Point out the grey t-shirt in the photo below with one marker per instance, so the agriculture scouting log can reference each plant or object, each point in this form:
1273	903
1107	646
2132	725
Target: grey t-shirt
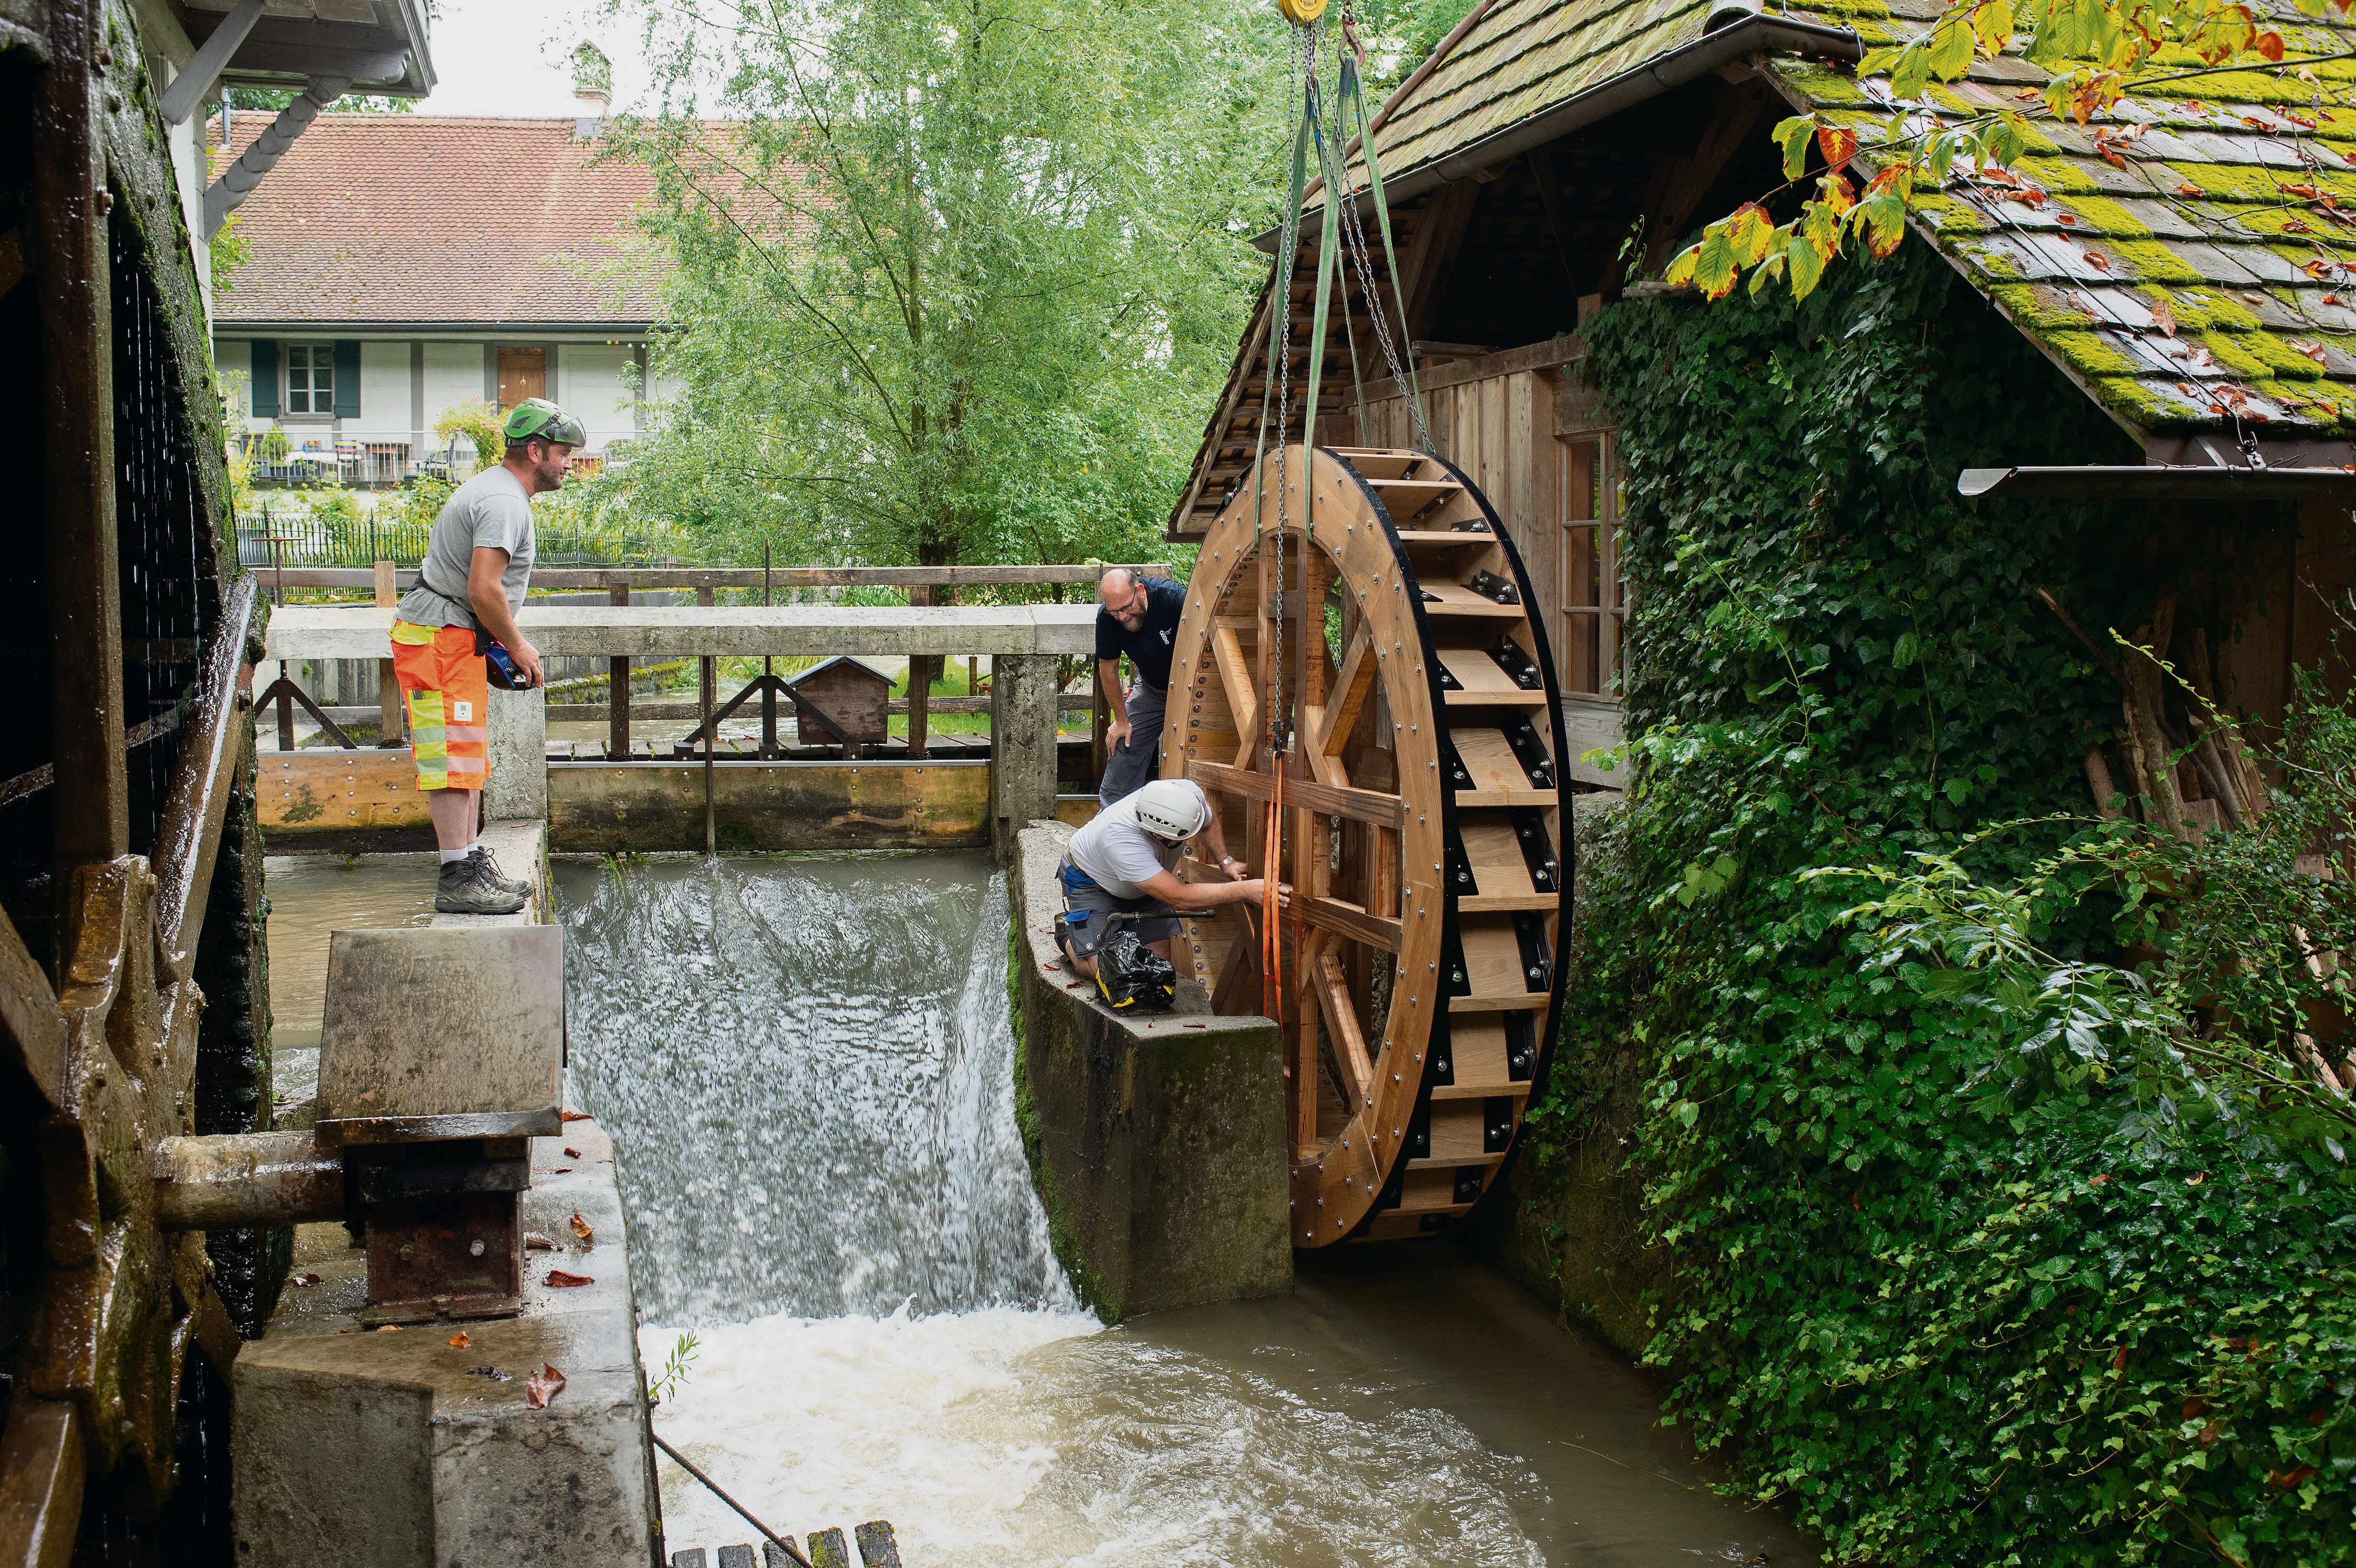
488	511
1119	855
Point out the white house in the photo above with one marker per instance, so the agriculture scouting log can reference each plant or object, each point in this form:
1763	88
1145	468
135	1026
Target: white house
402	264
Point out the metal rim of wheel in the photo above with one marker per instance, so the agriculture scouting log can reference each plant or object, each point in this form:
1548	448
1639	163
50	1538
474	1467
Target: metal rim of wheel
1424	832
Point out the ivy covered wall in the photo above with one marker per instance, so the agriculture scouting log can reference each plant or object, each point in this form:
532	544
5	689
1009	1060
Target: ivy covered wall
1948	1292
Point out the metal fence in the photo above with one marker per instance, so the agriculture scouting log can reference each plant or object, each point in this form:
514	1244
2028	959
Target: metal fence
294	455
289	536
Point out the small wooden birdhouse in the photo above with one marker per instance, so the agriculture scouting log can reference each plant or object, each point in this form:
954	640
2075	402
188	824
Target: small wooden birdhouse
846	700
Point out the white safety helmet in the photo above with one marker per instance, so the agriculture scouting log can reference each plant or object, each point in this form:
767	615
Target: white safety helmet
1169	808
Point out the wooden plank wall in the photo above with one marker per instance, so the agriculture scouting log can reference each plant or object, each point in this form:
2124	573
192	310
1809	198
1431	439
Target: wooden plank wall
1500	431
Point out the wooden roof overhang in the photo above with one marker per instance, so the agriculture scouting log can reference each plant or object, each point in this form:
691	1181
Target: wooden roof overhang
1486	211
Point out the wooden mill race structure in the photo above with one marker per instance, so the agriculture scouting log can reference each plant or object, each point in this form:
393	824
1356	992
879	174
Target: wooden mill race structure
1420	824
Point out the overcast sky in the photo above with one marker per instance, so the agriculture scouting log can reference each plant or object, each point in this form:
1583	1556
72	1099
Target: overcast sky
514	56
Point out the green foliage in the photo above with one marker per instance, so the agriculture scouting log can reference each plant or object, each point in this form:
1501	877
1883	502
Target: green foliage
1974	1262
959	280
479	423
677	1368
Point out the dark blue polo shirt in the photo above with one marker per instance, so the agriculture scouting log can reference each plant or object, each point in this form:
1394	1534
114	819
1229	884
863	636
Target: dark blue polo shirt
1148	647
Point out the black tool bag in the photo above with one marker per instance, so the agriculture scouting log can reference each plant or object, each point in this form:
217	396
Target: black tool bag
1132	976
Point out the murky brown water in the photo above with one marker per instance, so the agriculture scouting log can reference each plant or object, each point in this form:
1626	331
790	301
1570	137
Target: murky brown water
311	895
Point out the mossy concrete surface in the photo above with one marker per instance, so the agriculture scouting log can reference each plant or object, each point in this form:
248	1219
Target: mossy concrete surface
1156	1142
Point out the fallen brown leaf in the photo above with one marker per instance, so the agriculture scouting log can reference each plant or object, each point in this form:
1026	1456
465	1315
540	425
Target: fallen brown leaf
560	1170
541	1388
2186	187
578	1116
459	1340
580	1229
304	1279
2162	317
2066	217
573	1154
2096	259
388	1328
562	1280
533	1241
2333	299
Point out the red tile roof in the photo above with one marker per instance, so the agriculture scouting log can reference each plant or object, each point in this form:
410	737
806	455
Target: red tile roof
401	219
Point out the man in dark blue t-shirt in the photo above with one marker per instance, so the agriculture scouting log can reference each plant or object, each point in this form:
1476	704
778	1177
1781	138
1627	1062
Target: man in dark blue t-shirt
1137	616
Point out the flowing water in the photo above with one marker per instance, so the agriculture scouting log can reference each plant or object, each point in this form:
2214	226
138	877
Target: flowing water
806	1064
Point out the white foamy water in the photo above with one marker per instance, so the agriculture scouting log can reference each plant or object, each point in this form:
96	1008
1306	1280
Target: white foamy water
806	1066
1009	1437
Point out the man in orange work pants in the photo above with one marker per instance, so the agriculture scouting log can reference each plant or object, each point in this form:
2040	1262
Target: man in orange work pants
476	568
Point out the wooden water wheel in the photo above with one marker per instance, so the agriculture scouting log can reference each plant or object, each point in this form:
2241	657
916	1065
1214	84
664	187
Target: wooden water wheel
1422	826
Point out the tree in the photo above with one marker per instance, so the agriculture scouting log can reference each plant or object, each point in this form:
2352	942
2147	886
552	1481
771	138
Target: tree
954	278
1871	168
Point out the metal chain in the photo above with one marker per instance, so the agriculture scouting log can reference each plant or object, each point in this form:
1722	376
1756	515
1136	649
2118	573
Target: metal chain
1306	39
1354	234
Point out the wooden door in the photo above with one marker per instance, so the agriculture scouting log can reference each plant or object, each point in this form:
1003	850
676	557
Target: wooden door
523	373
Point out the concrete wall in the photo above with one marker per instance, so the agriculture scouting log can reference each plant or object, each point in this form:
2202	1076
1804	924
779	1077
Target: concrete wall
640	807
1156	1143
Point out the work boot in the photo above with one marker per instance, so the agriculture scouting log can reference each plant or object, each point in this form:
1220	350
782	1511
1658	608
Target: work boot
492	871
466	887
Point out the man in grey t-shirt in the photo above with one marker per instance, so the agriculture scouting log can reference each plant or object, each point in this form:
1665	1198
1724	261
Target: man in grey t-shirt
478	566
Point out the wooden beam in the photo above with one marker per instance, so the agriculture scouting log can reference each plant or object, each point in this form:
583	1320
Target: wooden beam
92	817
1345	918
617	688
1544	356
1431	255
1342	1020
1238	984
1731	119
29	1011
1358	804
42	1467
1243	694
1351	685
1545	175
212	743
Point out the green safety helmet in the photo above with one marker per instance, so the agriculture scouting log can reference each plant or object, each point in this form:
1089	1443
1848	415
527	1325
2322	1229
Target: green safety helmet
537	419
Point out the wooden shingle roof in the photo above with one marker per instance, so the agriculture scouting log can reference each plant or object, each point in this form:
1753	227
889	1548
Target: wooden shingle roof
2215	222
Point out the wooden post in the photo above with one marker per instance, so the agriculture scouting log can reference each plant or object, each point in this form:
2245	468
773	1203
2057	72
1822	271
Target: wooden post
1100	719
920	684
92	810
391	728
768	674
617	688
1022	746
709	694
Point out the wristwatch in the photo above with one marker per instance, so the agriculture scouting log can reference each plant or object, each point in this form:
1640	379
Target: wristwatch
1226	860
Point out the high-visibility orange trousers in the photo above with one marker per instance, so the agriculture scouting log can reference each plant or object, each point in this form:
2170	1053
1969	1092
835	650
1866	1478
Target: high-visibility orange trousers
449	698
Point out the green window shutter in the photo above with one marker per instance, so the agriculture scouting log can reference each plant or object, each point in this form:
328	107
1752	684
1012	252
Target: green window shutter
266	379
348	380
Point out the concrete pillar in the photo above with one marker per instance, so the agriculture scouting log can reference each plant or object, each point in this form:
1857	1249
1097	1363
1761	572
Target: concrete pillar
1021	747
519	787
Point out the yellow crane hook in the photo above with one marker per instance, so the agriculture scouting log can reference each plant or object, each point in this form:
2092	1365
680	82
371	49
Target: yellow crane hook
1301	13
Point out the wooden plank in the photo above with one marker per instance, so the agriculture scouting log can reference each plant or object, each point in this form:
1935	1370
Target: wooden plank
1358	804
1242	692
188	840
28	1010
1351	685
42	1462
1491	799
71	268
1346	919
1454	600
1501	903
1342	1021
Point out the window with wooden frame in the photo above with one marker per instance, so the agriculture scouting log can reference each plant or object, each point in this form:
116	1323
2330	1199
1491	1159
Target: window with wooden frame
310	379
1595	596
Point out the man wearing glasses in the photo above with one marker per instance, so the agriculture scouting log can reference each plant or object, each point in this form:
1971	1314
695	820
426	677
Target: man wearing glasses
1137	616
